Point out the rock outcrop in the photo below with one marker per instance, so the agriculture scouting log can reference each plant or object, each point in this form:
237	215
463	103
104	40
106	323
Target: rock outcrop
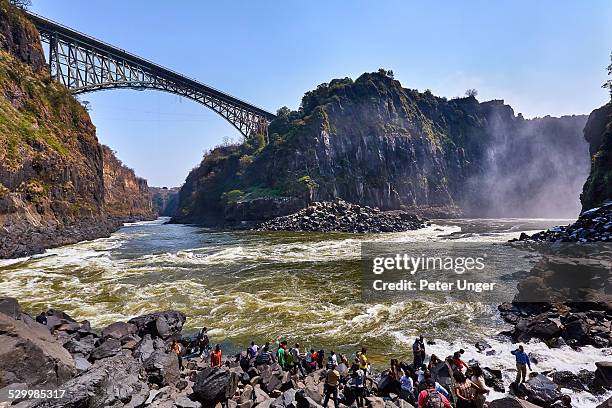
340	216
598	132
372	142
52	168
165	200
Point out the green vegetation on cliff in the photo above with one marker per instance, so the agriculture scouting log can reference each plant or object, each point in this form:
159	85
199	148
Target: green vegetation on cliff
598	132
372	142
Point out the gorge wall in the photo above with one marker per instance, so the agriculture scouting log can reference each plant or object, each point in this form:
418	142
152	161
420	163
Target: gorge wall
372	142
598	132
165	200
52	168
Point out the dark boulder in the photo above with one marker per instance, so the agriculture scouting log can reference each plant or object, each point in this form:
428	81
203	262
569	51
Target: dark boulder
145	348
540	390
159	324
10	307
83	346
30	354
107	349
512	402
603	374
215	385
118	330
162	368
567	379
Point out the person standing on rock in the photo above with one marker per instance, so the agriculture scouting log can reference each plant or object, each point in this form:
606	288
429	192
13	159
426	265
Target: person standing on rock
422	341
363	360
407	387
417	353
522	362
178	349
203	341
252	350
280	355
331	386
215	357
478	379
297	358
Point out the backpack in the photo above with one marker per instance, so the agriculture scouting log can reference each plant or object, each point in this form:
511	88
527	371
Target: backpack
434	400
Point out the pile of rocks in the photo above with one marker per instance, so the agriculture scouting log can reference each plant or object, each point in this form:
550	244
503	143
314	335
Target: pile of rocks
340	216
573	324
594	225
129	364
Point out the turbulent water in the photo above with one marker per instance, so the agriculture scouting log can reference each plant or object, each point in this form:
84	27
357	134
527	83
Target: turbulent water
262	286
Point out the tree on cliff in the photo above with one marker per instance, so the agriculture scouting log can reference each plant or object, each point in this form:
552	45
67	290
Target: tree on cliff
471	93
22	4
608	83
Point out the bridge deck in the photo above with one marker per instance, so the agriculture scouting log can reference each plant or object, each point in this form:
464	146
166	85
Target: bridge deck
44	24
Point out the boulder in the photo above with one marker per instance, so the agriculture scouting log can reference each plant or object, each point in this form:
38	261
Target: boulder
113	381
286	400
567	379
215	385
303	401
30	354
145	348
603	373
159	324
606	404
118	330
184	402
82	347
107	349
162	368
375	402
540	390
10	307
512	402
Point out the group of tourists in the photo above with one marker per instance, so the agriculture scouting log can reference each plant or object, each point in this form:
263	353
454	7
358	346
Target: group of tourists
436	384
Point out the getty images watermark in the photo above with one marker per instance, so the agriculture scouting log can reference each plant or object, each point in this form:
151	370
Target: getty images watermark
485	272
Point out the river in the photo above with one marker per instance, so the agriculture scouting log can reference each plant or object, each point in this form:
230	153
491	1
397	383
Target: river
263	286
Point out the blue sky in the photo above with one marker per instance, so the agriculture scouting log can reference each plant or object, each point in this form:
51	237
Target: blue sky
542	57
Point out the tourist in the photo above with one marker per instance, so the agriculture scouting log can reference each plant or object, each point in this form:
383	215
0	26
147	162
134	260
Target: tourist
280	354
437	386
433	362
429	397
343	367
331	386
310	360
522	362
332	359
252	350
264	356
320	358
357	384
363	360
177	348
478	379
465	391
297	357
458	363
420	373
215	357
407	387
417	353
422	341
203	341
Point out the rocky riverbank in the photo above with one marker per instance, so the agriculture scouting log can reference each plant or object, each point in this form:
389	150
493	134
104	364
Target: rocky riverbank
130	364
340	216
594	225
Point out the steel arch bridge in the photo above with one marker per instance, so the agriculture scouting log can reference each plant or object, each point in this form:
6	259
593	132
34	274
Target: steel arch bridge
85	64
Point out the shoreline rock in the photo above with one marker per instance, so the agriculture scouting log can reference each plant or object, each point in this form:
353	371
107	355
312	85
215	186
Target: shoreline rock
340	216
130	364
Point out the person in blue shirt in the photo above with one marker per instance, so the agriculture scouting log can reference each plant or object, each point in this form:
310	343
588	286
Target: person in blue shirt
522	362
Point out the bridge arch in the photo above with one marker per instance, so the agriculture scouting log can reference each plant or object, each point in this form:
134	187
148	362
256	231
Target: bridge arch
84	64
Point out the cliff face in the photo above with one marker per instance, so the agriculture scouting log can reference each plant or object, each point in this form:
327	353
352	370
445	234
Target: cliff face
598	132
125	195
372	142
51	165
165	200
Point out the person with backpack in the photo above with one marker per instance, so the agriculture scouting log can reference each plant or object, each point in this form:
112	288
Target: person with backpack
332	380
252	350
430	398
264	356
356	383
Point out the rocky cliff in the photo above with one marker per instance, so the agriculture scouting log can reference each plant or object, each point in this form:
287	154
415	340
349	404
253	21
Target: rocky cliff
598	132
52	167
125	195
165	200
373	142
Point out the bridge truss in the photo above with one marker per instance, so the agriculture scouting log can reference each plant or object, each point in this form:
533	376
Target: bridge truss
85	64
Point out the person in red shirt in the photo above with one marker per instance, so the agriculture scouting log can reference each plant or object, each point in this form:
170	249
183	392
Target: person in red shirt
459	363
430	392
215	357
